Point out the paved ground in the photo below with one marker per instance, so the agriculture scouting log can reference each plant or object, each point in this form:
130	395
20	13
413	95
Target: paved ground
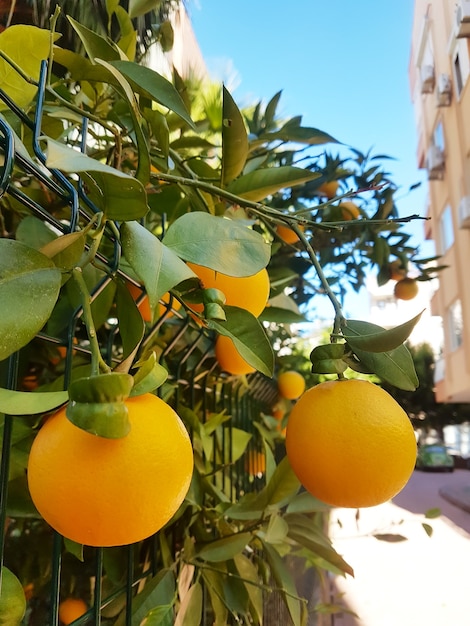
420	581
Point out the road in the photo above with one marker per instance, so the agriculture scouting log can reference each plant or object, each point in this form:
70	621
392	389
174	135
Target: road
417	581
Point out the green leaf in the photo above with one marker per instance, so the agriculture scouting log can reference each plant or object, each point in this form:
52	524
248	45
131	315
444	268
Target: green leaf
149	83
190	611
250	506
234	139
60	156
19	503
66	250
214	582
95	45
261	183
395	367
120	199
249	572
328	359
292	131
131	325
34	48
306	503
249	337
149	376
156	264
74	548
284	484
26	276
30	403
159	591
433	513
225	548
390	537
428	529
219	243
141	7
378	339
284	582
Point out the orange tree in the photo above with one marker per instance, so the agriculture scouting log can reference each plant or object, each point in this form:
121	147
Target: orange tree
114	175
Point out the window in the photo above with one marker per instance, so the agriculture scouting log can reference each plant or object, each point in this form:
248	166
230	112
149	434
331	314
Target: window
446	230
461	65
455	325
438	137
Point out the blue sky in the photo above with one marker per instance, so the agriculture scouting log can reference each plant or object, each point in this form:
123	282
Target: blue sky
342	65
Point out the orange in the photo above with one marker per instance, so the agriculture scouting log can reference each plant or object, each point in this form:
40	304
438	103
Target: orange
71	609
397	271
144	305
329	189
247	292
350	443
291	384
286	234
349	210
111	492
229	359
406	289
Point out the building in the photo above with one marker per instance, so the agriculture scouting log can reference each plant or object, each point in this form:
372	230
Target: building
439	81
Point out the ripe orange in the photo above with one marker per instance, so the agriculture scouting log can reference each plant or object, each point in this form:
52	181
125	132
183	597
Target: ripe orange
111	492
350	443
71	609
229	359
248	292
286	234
291	384
406	289
349	210
397	271
329	189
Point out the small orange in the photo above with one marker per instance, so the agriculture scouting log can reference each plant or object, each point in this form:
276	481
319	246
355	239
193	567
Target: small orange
286	234
291	384
229	359
350	443
247	292
406	289
71	609
349	210
111	492
329	189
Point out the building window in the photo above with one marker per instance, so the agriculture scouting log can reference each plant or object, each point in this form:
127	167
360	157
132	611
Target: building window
455	325
446	230
461	65
438	137
458	75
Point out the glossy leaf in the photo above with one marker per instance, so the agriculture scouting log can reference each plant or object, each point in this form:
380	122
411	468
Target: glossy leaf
225	548
66	159
395	367
141	7
300	134
234	139
304	502
34	48
151	84
26	276
120	199
131	326
259	184
219	243
328	359
373	338
249	338
155	263
159	591
30	403
19	503
113	387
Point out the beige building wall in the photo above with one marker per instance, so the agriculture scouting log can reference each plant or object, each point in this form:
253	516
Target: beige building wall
439	81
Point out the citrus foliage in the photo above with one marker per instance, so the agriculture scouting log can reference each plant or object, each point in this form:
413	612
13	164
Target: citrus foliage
127	177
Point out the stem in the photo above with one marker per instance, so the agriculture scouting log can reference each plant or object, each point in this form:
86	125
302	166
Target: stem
97	362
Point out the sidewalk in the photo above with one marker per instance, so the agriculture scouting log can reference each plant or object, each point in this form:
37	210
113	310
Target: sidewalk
458	496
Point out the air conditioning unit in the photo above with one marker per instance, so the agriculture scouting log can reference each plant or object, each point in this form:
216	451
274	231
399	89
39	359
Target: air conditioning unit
464	212
427	79
435	163
462	18
444	90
